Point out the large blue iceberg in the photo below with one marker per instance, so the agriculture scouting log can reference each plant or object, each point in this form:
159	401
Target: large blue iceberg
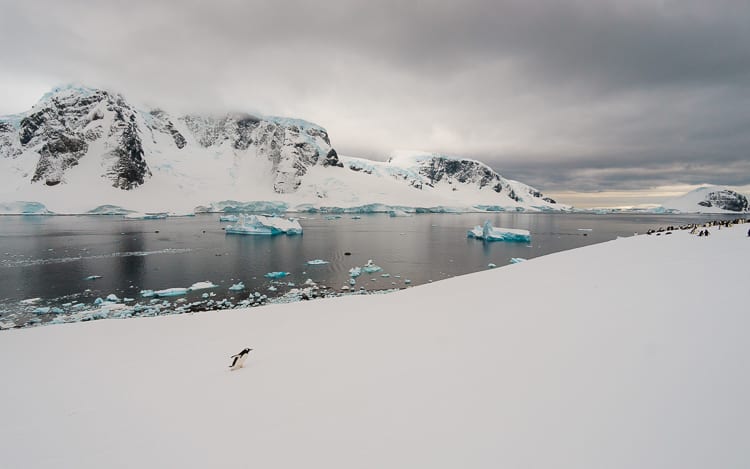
266	226
488	232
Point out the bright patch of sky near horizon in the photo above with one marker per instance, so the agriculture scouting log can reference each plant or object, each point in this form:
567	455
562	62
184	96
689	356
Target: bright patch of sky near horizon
586	99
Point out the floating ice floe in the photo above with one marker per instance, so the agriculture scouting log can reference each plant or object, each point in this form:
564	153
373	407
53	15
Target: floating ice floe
266	226
171	292
93	277
398	213
317	262
202	285
488	232
30	301
229	218
371	268
237	286
333	217
23	208
113	298
145	216
517	260
355	272
276	274
491	265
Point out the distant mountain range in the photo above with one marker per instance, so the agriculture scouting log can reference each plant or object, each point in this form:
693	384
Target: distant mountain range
80	148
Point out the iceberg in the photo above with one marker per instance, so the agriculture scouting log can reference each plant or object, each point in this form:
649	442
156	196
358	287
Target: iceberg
145	216
147	293
398	213
23	208
276	274
265	226
355	272
108	210
229	218
202	285
171	292
371	268
488	232
517	260
317	262
237	286
93	277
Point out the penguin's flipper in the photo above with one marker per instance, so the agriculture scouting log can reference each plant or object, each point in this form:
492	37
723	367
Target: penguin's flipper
234	362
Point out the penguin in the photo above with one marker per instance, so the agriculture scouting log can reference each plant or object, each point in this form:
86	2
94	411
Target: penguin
239	359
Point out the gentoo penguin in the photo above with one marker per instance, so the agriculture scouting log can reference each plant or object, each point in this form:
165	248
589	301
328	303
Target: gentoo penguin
239	359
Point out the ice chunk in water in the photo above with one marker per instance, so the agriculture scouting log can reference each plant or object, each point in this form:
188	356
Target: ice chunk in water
317	262
276	274
202	285
171	292
265	226
517	260
371	268
237	286
488	232
355	272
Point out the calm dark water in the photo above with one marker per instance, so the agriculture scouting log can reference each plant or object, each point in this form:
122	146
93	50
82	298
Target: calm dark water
50	257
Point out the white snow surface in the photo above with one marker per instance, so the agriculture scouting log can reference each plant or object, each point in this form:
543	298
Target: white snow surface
689	202
632	357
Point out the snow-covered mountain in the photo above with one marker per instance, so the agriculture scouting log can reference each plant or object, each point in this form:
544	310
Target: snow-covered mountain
79	148
709	199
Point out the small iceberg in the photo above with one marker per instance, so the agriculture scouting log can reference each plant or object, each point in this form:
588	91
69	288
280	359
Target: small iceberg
202	285
355	272
276	274
488	232
317	262
237	286
398	213
371	268
229	218
264	226
93	277
517	260
145	216
171	292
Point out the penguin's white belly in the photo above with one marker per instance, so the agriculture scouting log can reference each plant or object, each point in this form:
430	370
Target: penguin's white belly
239	363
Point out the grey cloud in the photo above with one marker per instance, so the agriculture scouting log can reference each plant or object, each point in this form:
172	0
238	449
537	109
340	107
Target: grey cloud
561	94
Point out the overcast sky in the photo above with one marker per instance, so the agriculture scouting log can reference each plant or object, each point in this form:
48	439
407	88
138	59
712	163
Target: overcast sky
565	95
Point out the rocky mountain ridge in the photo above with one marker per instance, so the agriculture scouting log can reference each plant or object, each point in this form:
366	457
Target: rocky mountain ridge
77	139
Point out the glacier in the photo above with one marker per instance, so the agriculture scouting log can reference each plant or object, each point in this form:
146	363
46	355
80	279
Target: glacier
81	149
265	226
487	232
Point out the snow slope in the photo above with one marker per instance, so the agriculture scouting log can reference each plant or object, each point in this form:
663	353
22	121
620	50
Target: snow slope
709	199
627	354
80	148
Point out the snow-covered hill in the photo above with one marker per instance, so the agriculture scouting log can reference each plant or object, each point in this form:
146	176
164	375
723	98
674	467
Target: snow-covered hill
709	199
79	148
